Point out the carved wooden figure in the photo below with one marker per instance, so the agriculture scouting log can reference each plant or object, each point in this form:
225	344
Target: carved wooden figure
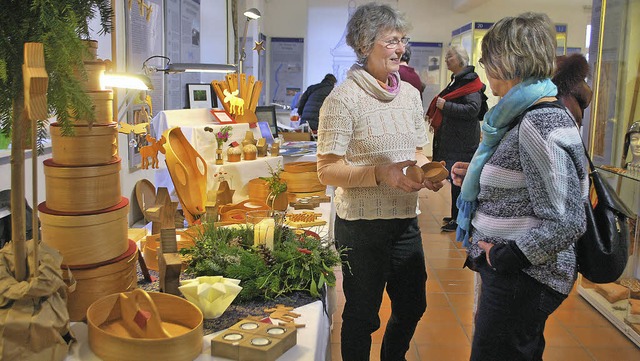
169	262
224	195
151	151
282	312
262	147
162	214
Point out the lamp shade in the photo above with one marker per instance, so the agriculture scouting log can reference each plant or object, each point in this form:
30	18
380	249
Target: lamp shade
125	80
252	13
199	68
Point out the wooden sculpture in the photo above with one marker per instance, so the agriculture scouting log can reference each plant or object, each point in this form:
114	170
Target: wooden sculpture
169	262
138	322
245	93
162	214
126	128
224	194
188	171
151	151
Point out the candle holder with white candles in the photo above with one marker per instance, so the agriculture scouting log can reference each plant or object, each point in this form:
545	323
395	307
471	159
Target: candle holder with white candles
265	225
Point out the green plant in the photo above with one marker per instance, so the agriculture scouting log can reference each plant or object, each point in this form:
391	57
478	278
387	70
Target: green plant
299	262
60	25
276	185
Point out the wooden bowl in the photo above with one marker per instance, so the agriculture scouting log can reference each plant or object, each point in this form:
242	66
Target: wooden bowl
152	247
435	172
178	316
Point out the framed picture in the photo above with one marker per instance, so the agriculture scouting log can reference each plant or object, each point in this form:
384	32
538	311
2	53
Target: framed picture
200	96
221	116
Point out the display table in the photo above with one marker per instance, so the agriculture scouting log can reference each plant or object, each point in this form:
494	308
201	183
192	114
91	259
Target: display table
192	123
313	339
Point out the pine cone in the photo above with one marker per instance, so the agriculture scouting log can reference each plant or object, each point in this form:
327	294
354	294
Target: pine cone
266	255
235	242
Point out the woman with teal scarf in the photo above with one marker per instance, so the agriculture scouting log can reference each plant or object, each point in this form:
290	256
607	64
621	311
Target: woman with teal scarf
521	205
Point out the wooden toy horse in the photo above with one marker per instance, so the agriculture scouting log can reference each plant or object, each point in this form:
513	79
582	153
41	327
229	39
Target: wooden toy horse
151	151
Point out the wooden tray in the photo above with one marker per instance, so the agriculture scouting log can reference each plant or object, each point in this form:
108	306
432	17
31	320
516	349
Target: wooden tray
175	312
88	146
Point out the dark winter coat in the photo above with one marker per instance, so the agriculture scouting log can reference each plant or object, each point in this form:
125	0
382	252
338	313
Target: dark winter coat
459	134
311	101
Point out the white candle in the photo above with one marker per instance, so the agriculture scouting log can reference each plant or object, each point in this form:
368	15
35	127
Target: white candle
263	232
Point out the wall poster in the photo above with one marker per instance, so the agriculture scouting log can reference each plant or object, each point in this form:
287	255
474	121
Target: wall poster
426	59
287	60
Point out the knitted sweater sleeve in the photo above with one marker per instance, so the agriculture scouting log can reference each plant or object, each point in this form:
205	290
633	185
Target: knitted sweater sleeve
551	155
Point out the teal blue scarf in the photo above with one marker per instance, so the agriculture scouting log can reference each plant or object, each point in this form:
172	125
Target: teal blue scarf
496	124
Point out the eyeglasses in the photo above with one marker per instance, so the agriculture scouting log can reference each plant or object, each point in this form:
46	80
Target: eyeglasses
393	43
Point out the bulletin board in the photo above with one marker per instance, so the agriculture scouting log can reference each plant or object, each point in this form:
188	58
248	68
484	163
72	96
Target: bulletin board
286	69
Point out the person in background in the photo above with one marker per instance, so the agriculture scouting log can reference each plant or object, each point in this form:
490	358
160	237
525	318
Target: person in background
522	200
371	128
409	74
312	99
457	109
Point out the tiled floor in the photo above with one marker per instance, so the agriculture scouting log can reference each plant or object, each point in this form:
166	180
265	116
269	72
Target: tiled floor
575	332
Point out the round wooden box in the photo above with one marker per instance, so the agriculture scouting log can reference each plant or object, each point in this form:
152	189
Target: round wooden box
88	146
92	50
258	189
94	69
152	247
86	238
82	189
302	182
103	106
175	312
94	281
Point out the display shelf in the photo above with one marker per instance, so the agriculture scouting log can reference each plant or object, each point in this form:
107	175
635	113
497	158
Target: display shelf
616	317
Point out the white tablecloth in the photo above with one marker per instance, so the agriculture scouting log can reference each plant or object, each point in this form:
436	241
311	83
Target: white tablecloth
313	339
192	123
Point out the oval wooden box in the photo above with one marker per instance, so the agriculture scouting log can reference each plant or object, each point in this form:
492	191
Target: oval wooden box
103	105
86	238
88	146
302	182
97	280
152	247
171	309
82	189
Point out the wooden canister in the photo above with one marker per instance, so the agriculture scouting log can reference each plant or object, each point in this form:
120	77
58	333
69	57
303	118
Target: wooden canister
175	313
82	189
93	145
94	70
258	189
92	50
95	281
86	238
103	105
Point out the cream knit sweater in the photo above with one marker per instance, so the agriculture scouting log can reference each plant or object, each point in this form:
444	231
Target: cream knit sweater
368	125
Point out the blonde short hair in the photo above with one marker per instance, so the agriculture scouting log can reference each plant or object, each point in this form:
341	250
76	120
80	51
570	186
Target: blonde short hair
520	47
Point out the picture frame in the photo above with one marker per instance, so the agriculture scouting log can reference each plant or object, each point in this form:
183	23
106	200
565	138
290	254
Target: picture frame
200	96
222	117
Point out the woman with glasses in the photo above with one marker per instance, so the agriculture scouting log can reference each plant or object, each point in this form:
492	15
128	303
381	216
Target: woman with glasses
521	208
371	128
455	115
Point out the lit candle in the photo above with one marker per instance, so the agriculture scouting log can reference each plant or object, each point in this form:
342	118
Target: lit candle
263	232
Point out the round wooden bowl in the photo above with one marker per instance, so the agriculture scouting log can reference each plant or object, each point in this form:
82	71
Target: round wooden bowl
103	107
302	182
86	238
152	247
94	281
435	171
88	146
301	167
175	313
82	189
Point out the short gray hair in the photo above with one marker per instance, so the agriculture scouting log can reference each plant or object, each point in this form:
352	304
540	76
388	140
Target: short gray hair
367	22
460	54
520	47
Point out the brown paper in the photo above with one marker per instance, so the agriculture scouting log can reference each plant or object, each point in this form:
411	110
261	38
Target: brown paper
34	321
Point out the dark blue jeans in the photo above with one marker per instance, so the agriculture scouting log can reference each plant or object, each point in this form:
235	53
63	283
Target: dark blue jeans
511	316
381	253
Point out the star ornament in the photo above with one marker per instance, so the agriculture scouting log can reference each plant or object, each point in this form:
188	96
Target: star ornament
259	46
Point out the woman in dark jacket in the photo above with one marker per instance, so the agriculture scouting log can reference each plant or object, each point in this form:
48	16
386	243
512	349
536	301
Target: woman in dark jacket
312	99
454	114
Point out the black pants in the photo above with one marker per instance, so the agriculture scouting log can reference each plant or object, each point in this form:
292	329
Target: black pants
511	316
381	253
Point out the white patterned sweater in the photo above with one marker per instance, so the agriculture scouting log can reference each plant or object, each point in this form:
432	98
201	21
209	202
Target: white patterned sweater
532	192
367	130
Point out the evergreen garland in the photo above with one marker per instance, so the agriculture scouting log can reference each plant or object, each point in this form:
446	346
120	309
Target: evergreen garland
299	262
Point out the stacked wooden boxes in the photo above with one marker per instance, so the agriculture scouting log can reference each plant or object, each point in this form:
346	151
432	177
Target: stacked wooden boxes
302	179
85	216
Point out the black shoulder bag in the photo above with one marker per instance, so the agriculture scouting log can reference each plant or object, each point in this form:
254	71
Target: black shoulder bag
603	250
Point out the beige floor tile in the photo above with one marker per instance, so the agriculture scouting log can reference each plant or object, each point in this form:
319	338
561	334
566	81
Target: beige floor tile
443	335
437	300
454	275
557	335
621	353
556	353
457	286
600	337
449	263
444	353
